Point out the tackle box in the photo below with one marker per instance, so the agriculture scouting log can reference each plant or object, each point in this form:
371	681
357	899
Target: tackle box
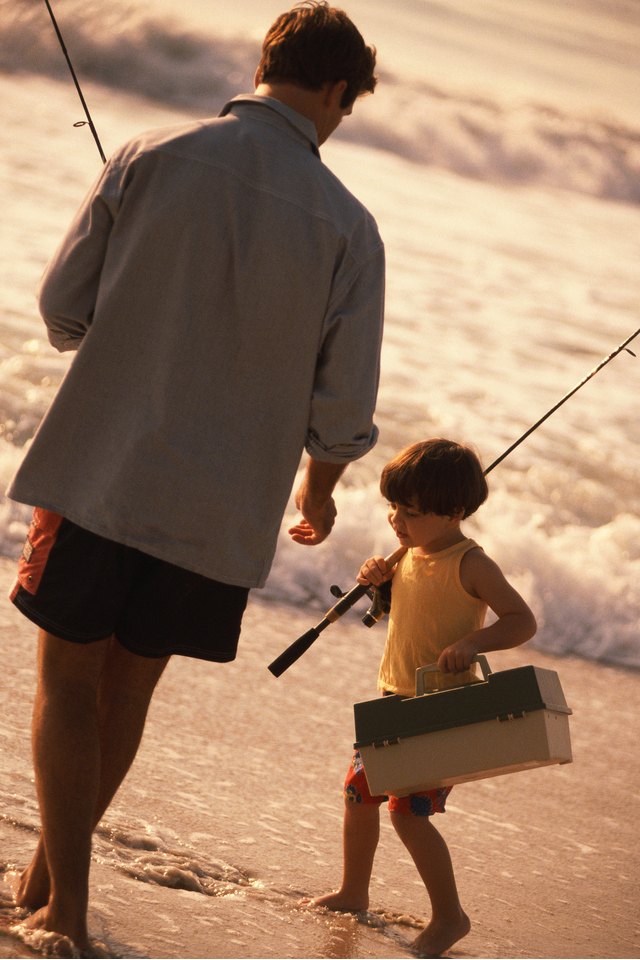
510	720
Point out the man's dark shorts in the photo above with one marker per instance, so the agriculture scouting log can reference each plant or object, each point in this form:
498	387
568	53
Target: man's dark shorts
82	587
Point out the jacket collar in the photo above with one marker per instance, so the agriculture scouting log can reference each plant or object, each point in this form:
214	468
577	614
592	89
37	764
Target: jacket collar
303	126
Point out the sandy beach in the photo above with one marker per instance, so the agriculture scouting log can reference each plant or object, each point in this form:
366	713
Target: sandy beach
232	813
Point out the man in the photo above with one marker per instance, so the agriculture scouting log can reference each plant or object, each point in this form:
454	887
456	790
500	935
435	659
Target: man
225	292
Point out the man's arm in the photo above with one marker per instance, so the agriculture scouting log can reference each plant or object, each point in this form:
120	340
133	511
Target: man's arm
315	502
69	288
341	427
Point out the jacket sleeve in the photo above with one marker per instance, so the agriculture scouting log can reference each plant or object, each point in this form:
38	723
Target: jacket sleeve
69	287
341	426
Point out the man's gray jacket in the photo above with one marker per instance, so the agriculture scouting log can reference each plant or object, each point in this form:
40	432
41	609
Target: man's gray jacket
226	294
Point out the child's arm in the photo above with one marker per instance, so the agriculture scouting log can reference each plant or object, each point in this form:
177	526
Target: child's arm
483	578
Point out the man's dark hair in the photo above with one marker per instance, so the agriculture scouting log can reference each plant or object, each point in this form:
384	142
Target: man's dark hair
313	44
436	476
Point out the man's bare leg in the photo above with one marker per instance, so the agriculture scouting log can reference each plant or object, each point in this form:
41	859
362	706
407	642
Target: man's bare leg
126	688
119	705
66	751
361	832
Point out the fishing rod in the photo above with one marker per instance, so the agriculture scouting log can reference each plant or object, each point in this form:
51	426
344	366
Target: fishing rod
302	644
88	121
596	369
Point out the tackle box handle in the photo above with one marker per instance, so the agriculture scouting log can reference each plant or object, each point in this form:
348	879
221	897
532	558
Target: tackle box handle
433	668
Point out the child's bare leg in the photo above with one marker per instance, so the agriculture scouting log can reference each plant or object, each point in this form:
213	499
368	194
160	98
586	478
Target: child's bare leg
449	923
361	832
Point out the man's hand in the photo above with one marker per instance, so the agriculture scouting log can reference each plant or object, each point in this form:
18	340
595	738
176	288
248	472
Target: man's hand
314	530
315	502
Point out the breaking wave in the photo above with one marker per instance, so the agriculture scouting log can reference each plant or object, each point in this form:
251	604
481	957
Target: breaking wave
120	46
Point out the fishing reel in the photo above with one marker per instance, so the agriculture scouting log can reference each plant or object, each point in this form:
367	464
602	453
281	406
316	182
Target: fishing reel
380	602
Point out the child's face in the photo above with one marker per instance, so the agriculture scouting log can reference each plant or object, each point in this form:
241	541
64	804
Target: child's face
427	531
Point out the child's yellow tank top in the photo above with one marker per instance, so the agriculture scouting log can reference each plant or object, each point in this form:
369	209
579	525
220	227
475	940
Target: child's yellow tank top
430	609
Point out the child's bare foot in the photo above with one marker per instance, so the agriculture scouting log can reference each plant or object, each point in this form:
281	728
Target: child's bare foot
440	935
339	901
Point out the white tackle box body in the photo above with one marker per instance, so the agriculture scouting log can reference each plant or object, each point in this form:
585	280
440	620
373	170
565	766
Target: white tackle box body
512	720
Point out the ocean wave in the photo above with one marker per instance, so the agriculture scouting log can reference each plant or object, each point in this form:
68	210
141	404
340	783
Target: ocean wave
528	143
122	47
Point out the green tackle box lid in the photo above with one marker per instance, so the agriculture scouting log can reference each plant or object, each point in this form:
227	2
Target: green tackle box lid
507	693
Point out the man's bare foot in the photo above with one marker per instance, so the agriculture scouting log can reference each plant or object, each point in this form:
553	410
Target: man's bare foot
338	901
32	889
65	926
439	936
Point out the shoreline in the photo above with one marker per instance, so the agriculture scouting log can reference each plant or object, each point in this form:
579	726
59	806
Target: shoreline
239	778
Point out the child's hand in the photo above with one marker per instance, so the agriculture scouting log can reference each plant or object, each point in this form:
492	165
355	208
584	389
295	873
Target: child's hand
459	656
375	571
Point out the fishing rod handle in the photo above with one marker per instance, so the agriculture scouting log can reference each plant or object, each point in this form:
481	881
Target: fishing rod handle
295	650
345	603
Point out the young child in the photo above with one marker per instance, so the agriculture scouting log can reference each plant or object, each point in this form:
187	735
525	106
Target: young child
440	592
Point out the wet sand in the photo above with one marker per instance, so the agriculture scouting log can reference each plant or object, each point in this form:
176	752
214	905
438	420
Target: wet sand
232	813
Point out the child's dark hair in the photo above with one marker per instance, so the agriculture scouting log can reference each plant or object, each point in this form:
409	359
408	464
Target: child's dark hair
313	44
436	476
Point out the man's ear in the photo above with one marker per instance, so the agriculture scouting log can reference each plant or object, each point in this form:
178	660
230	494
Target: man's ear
334	92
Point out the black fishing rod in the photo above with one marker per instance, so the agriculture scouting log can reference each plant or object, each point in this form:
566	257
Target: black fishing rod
302	644
596	369
88	121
